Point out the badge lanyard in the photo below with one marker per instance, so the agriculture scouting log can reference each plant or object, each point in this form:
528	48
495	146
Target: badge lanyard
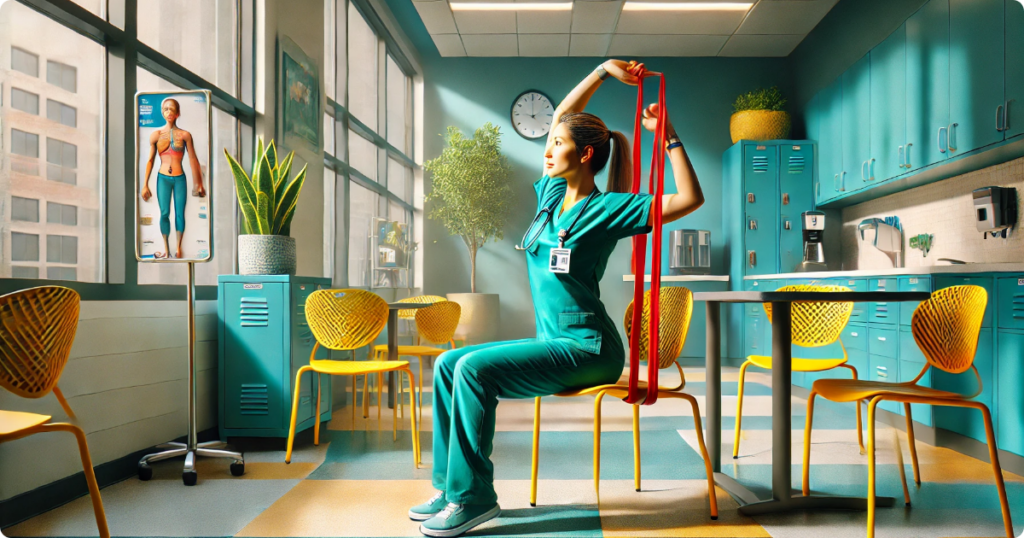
559	260
635	395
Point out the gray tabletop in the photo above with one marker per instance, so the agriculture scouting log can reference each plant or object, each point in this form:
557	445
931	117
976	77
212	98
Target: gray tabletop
790	296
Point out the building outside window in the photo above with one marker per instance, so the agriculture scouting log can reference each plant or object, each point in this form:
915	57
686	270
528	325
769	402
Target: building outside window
25	62
24	209
63	214
24	101
26	144
61	113
62	75
61	161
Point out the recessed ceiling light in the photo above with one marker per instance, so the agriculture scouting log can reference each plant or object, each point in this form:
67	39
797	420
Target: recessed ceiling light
687	6
511	6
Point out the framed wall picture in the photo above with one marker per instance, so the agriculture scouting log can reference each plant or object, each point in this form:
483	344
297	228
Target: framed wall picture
300	117
173	184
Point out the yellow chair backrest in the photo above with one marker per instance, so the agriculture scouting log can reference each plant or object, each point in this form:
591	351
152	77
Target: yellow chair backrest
816	323
676	306
410	313
946	327
346	319
37	328
437	323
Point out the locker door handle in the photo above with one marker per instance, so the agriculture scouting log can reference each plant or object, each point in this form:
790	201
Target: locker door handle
752	224
786	225
750	198
752	258
785	198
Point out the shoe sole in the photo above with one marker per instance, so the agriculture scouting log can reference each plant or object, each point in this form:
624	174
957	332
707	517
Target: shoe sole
416	516
465	527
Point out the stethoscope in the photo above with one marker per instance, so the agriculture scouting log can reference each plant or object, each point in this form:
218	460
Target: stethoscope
544	217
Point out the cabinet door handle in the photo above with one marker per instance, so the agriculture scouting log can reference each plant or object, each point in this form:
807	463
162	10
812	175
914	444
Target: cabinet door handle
835	183
752	258
863	175
854	335
899	156
871	169
817	190
842	181
951	137
938	140
999	118
1006	115
881	339
906	156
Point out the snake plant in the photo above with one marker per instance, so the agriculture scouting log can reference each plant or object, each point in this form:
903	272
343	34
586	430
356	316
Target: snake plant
268	199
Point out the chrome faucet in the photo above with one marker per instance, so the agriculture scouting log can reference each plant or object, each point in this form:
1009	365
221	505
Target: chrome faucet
888	238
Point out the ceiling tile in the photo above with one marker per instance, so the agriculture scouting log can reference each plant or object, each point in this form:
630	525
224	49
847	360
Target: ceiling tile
491	44
666	45
486	22
761	45
544	22
449	45
437	17
595	17
679	22
543	44
785	17
589	44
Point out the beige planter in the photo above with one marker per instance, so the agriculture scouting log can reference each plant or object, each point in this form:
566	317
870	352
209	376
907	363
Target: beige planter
266	255
759	125
481	315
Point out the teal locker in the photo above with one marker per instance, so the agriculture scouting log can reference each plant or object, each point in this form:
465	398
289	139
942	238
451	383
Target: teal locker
1010	303
885	370
888	137
927	99
831	175
879	312
1009	395
912	283
1014	69
796	177
860	310
962	420
912	361
263	341
976	76
857	123
760	183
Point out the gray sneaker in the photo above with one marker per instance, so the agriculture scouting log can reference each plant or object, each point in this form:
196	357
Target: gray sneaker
429	509
457	519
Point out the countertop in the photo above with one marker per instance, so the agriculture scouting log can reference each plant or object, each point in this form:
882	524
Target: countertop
682	278
922	270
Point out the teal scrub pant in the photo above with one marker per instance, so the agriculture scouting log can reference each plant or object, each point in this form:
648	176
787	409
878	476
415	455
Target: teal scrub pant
467	384
165	185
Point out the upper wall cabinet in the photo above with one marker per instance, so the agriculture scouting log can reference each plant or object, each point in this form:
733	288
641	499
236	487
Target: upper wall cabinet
890	151
857	123
976	55
927	97
831	175
1014	125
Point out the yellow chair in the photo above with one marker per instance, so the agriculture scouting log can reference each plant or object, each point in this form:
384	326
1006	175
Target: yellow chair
815	324
37	328
676	306
946	328
344	320
435	324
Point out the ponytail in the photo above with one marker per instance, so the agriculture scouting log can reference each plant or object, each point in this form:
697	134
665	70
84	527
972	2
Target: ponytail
620	174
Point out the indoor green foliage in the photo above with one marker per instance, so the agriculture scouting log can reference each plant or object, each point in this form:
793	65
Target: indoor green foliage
268	199
470	188
760	99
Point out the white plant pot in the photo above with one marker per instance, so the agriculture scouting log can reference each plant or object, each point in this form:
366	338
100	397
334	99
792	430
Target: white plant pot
481	316
266	255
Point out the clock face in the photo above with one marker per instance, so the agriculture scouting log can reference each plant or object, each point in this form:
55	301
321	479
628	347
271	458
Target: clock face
532	114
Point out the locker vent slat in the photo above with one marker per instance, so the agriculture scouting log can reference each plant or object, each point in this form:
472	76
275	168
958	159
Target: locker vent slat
254	400
760	164
796	164
254	312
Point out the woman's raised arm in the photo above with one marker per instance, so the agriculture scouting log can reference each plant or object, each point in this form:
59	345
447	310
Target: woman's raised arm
688	196
577	99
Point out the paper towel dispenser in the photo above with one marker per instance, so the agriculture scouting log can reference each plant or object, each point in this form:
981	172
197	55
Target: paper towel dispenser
995	209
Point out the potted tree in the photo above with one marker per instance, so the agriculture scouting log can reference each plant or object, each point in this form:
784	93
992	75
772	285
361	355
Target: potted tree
759	115
267	202
472	198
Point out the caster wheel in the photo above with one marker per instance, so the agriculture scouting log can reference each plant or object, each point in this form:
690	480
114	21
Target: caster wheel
238	468
189	478
145	472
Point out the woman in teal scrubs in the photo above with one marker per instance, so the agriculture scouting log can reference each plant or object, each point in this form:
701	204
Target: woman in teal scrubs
577	345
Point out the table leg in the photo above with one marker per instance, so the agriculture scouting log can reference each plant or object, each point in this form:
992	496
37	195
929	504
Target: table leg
713	380
392	353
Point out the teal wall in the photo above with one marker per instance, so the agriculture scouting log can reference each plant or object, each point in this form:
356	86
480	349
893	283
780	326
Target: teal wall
466	92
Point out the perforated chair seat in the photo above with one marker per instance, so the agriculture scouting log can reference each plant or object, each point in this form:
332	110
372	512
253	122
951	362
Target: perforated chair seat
852	390
799	365
415	351
356	367
12	422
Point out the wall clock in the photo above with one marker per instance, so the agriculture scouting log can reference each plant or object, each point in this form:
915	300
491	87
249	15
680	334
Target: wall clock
532	114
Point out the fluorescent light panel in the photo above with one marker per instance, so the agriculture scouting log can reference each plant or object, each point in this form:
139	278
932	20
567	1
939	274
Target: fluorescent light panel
511	6
686	6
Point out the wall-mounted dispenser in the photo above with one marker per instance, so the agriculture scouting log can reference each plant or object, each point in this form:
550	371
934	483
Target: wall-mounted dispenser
995	210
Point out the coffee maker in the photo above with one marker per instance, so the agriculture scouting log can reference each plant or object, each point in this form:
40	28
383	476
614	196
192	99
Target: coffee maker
814	232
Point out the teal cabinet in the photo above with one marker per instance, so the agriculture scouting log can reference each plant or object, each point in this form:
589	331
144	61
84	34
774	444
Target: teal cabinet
883	341
976	73
962	420
855	337
1010	303
986	282
1010	396
831	175
912	361
860	310
884	370
760	177
796	176
883	312
1014	69
888	131
927	98
912	283
857	124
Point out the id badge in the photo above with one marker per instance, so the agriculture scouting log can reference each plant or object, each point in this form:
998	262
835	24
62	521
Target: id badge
559	262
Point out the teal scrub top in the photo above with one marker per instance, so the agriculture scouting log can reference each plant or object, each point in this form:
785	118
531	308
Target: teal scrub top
568	305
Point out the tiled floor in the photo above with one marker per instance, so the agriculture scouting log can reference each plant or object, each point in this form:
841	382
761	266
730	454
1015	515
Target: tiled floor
359	482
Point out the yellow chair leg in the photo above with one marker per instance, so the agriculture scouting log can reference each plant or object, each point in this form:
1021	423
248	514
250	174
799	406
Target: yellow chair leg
90	474
366	397
871	467
295	411
597	442
419	404
354	395
994	456
913	444
316	417
394	421
807	443
712	495
636	447
899	463
536	451
739	412
415	428
860	426
380	391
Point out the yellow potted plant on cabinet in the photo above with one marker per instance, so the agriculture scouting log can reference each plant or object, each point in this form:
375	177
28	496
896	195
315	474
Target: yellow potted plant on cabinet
759	115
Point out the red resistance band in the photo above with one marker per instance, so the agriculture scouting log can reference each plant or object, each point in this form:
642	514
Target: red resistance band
636	395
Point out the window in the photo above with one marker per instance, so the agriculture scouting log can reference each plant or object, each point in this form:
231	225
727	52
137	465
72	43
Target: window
23	143
62	75
21	271
362	155
399	120
26	209
66	215
61	159
61	113
400	180
61	249
24	247
24	61
61	273
362	209
362	92
24	101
